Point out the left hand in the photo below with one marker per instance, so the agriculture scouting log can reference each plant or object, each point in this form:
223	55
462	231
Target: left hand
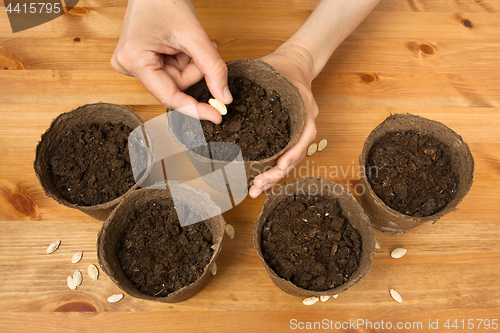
295	63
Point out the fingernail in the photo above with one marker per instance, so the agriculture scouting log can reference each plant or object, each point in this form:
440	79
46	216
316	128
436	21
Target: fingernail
227	95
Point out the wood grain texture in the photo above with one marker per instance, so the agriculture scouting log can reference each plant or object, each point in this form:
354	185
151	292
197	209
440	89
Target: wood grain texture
437	59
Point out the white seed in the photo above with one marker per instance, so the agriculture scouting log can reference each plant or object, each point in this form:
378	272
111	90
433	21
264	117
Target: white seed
396	296
218	105
230	230
322	144
71	283
53	247
335	296
77	278
115	298
213	270
398	253
77	257
324	298
377	245
93	272
310	300
312	149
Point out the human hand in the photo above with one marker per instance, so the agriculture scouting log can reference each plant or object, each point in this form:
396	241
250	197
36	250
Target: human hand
158	40
295	63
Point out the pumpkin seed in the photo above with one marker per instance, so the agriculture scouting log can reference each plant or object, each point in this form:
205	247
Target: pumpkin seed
230	230
93	272
213	270
71	283
377	245
322	144
310	300
398	253
335	296
53	247
396	296
312	149
218	105
115	298
77	257
324	298
77	278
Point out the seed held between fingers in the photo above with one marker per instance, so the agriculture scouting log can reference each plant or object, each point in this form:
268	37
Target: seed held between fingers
218	105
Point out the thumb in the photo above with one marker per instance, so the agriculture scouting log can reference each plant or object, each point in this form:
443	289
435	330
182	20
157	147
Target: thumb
211	65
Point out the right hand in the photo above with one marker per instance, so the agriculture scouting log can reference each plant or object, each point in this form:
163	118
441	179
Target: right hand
158	40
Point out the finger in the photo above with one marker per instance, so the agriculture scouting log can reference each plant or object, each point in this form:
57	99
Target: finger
179	60
288	160
208	60
164	88
185	78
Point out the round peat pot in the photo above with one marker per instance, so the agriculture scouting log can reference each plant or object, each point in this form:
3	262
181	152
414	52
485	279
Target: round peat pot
99	115
450	148
329	242
190	136
155	208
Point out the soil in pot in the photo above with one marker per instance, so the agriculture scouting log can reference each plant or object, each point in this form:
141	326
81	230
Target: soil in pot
255	121
412	173
308	241
90	165
159	256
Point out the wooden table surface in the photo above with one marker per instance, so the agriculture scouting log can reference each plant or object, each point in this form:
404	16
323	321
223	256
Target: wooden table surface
437	59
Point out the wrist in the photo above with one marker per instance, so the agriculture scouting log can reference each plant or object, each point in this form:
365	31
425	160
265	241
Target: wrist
301	57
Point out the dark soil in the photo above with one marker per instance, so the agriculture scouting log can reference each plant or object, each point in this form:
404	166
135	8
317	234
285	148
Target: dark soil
310	243
255	121
158	255
415	175
90	165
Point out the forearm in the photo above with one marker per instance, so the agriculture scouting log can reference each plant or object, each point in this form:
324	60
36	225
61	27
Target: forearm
327	26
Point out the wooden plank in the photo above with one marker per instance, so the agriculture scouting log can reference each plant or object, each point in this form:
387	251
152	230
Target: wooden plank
437	258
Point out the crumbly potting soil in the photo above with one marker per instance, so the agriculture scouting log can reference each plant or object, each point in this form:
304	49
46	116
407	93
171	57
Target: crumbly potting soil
158	255
412	173
255	121
310	243
90	165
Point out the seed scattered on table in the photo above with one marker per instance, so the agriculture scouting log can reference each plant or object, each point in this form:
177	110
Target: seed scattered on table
398	253
335	296
71	283
322	144
312	149
213	270
310	300
218	105
324	298
115	298
76	257
396	296
230	230
93	272
77	278
377	245
53	247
